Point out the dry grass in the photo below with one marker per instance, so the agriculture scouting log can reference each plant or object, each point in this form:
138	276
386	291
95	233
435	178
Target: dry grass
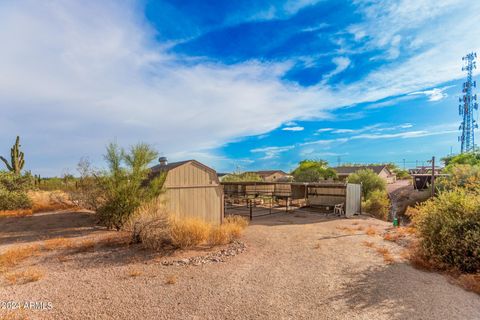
171	279
368	244
405	254
14	256
16	213
58	244
119	238
14	315
22	277
470	282
230	229
45	201
370	231
385	253
134	272
347	229
87	245
188	233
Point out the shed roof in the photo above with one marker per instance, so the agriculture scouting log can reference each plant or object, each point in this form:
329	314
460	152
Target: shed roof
173	165
346	170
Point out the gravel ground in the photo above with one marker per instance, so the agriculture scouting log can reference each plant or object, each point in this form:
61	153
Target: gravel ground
295	266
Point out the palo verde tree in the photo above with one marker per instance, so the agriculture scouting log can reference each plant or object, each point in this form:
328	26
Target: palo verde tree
17	160
370	181
313	171
126	185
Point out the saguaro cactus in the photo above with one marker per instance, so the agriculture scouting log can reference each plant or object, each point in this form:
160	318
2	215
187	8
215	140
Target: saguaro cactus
17	158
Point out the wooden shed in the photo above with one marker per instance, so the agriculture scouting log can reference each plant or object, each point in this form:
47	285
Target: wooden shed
192	190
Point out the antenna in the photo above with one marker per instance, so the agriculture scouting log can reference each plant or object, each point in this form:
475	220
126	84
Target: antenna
467	105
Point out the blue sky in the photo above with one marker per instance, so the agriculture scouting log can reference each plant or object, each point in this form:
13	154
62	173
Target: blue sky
238	85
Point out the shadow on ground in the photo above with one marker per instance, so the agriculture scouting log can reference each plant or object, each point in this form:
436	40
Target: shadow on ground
49	225
392	289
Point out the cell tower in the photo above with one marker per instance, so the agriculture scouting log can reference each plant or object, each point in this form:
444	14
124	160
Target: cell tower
468	103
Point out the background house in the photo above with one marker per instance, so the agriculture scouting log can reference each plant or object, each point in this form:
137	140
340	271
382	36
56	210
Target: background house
383	172
273	175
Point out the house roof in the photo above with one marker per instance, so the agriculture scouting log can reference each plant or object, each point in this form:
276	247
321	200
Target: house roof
346	170
265	173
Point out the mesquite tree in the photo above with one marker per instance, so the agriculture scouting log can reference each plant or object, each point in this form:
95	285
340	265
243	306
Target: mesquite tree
17	158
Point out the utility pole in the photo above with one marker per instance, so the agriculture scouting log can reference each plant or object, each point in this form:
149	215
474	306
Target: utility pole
339	160
433	176
403	164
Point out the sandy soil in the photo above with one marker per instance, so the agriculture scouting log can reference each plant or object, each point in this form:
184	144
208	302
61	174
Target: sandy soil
296	266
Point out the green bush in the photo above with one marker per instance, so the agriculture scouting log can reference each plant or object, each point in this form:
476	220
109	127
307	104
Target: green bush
377	204
13	200
313	171
471	158
449	226
370	181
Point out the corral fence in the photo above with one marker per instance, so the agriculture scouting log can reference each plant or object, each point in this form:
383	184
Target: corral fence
255	199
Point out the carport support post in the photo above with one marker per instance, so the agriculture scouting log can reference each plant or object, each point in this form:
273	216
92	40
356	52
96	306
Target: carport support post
251	208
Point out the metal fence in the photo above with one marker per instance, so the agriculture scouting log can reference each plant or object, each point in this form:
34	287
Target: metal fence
256	199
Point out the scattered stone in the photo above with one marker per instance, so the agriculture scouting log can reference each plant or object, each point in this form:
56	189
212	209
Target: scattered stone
233	249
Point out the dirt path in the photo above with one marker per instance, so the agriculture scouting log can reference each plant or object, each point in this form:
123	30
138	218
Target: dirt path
300	266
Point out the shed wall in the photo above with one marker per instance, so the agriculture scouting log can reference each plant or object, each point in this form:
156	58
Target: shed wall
193	191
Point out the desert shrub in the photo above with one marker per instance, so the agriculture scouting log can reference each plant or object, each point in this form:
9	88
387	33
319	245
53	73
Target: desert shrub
370	181
154	228
449	226
377	204
188	232
402	174
150	225
460	175
231	228
14	200
313	171
13	191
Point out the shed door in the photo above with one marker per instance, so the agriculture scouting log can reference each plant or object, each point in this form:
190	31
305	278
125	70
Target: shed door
353	199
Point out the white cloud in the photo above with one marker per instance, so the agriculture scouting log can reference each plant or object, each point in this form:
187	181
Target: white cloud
293	128
435	94
324	130
341	63
272	152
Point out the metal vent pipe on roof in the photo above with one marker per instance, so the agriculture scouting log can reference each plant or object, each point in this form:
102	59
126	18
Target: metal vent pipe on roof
163	161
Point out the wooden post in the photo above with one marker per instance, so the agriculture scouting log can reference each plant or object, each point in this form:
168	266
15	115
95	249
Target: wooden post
433	176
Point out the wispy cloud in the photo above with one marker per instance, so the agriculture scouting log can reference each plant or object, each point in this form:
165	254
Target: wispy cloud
272	152
435	94
293	128
324	130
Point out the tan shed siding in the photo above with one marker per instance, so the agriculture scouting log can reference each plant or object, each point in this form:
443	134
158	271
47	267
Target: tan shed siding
193	191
